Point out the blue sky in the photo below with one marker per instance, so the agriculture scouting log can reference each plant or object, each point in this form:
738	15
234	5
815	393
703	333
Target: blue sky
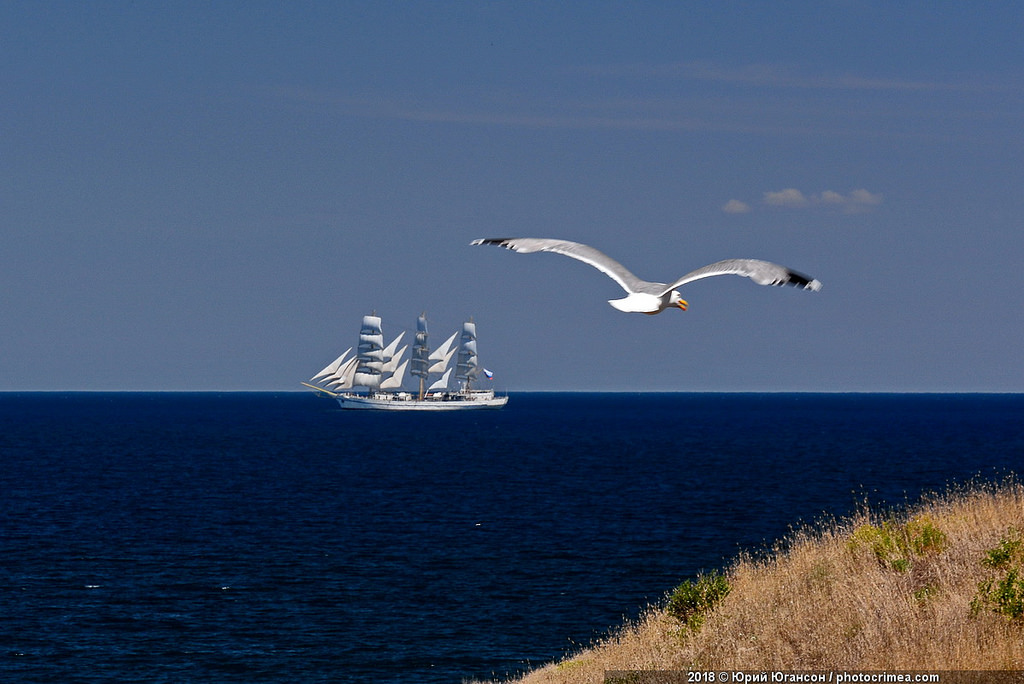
201	196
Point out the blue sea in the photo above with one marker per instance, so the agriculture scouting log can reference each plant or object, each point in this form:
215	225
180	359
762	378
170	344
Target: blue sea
262	537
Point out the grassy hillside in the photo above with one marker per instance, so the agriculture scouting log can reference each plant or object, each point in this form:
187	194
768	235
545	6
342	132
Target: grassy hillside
940	586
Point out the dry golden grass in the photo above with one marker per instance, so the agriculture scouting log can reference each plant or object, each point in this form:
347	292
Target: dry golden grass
824	602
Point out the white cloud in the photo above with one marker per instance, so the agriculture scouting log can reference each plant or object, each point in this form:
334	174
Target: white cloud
790	197
831	197
856	201
864	198
735	206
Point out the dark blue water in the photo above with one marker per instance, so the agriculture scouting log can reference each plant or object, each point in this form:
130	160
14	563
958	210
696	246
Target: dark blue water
271	537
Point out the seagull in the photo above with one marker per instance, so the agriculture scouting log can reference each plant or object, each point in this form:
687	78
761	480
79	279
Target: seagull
653	298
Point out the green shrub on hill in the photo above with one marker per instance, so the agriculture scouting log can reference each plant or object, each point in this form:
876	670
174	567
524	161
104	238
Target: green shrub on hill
896	544
691	601
1003	595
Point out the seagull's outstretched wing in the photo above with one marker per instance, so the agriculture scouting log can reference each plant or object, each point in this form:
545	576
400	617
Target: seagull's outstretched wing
761	272
588	255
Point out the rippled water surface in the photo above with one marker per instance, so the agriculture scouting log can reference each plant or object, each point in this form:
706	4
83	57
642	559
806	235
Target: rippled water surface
272	537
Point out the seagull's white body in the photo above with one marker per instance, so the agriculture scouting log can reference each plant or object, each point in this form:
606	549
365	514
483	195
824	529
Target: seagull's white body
643	296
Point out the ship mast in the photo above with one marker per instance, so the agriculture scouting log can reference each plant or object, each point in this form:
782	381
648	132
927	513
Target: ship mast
371	354
421	354
467	368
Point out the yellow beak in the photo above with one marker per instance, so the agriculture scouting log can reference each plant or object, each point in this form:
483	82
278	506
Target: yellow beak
682	304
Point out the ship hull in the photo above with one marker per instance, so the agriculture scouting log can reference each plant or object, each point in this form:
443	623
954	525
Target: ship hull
406	402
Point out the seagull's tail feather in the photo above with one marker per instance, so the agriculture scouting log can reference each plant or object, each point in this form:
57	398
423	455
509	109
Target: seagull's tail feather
638	302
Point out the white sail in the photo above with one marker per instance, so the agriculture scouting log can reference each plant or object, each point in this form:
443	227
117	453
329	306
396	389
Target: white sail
343	378
395	381
371	380
346	369
392	363
371	353
420	349
442	383
389	351
441	352
441	365
468	366
333	367
372	346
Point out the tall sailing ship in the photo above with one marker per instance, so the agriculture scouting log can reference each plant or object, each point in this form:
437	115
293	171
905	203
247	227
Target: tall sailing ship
379	369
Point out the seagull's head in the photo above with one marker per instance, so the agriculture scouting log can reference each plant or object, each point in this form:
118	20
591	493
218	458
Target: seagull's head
676	299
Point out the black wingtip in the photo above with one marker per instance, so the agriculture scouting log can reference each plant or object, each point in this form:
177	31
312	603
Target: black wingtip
802	281
501	242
